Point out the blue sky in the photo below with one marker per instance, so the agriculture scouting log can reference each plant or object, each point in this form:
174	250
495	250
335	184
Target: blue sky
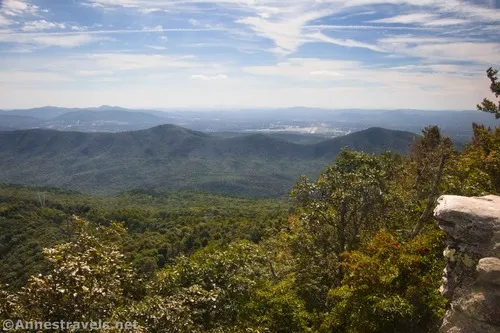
426	54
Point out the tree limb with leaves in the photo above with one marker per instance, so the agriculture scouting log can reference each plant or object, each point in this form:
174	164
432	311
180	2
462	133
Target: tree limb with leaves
487	105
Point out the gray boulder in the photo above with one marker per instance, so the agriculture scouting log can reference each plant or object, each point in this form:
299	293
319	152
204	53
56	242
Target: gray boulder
471	279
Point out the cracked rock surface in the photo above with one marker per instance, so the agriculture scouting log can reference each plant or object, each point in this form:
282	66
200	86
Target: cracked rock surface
471	279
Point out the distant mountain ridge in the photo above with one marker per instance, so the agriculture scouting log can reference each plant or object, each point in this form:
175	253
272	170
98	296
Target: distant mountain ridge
48	112
170	157
101	119
44	112
313	122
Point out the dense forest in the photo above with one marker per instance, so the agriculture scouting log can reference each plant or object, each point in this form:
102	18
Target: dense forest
173	158
355	250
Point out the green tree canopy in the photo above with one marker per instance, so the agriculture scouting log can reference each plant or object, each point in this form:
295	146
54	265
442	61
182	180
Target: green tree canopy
487	105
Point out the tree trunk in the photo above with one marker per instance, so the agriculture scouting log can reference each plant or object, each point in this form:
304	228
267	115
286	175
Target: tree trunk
432	197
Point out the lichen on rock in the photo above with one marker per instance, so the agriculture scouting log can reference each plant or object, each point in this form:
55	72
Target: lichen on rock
471	279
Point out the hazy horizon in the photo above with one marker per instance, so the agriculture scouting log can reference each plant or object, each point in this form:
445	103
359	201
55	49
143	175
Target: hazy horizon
229	108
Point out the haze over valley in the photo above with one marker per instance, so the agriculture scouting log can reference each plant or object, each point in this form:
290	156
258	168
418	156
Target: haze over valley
312	123
168	157
251	152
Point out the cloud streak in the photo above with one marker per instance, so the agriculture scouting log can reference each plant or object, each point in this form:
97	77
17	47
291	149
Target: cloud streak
16	8
209	77
69	40
425	19
325	53
42	25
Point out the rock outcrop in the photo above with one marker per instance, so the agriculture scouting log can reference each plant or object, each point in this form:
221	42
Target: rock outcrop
471	279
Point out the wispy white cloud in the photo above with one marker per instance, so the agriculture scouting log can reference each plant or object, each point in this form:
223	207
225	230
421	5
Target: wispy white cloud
363	27
126	68
26	77
157	47
127	61
18	8
20	49
93	72
5	21
443	22
425	19
327	73
46	39
399	80
149	10
276	8
285	22
469	10
130	31
41	25
344	42
77	27
281	22
122	65
286	31
73	38
451	41
158	28
357	13
407	18
488	53
459	70
305	69
442	49
209	77
68	41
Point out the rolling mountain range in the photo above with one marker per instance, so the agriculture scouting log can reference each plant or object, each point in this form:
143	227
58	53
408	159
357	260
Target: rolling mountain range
170	157
318	124
102	119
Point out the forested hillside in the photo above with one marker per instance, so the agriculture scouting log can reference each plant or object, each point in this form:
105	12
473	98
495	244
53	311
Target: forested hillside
354	251
169	157
160	226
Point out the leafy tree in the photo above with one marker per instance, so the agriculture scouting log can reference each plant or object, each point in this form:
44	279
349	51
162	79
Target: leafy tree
389	286
203	292
8	304
336	212
487	105
478	168
428	157
343	202
276	307
88	278
179	312
425	156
